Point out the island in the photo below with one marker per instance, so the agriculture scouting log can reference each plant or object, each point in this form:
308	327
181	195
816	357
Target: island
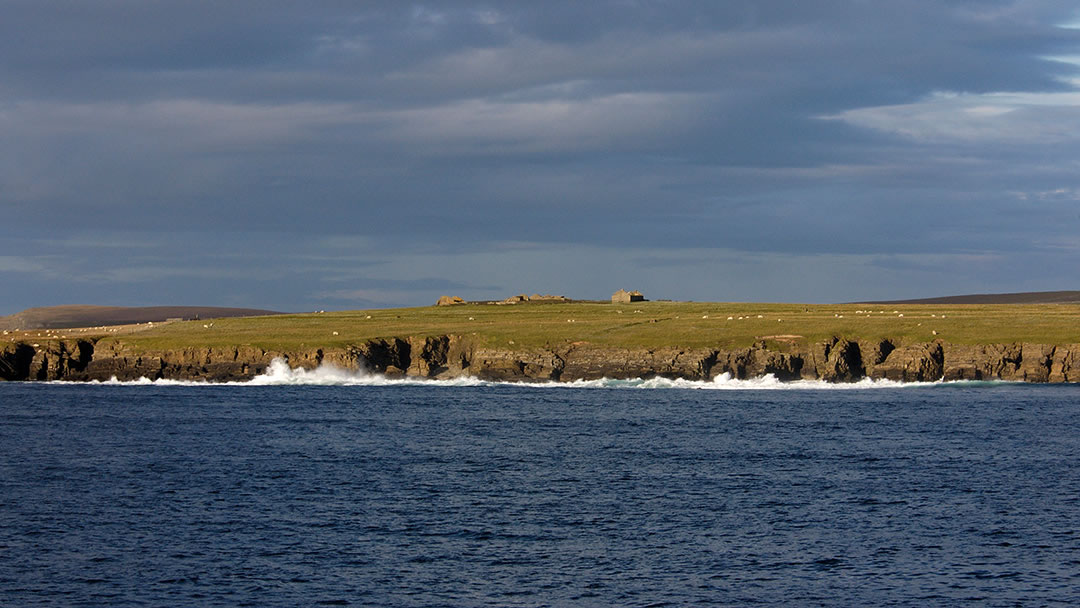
555	339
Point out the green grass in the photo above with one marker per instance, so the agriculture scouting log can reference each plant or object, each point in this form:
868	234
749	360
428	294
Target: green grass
642	324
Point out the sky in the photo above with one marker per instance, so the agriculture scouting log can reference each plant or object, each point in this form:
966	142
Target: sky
342	155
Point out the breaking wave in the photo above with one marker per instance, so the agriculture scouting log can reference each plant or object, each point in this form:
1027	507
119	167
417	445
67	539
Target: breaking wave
280	374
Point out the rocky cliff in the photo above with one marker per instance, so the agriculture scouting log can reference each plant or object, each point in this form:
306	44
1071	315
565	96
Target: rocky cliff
835	360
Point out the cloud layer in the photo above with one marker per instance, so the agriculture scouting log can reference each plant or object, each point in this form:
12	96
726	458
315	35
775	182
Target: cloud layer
279	155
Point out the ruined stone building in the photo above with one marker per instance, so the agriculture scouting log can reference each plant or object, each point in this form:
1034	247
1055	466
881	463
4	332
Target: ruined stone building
625	297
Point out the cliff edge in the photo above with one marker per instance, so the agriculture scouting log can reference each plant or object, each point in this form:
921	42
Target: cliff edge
449	356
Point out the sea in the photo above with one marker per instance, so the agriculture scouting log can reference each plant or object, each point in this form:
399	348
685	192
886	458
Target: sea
332	488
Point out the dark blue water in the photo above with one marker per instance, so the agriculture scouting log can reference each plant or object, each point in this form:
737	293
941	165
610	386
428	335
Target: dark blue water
517	496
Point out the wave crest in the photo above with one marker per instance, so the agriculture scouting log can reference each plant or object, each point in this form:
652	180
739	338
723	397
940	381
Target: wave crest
280	374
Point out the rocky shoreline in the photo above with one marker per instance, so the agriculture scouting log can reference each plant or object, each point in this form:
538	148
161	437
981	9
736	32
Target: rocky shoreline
445	357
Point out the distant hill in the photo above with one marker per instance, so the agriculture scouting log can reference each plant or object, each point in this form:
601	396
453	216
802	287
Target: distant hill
1032	297
59	317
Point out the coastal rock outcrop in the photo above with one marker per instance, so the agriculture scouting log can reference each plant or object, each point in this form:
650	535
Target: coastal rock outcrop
874	353
585	362
446	356
515	366
920	362
1035	362
755	362
52	360
1065	365
843	361
15	360
982	362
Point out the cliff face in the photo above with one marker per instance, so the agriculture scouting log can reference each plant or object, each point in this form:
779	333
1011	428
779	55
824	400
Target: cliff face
51	361
836	360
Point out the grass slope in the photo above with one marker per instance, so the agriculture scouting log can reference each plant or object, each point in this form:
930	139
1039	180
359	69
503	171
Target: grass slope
56	317
644	324
1031	297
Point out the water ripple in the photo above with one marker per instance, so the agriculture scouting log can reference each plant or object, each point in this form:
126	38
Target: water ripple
491	495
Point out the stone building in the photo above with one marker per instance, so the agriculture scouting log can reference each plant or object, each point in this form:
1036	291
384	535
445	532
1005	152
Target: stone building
625	297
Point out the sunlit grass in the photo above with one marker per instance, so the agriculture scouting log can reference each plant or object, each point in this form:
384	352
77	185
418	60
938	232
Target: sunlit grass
638	325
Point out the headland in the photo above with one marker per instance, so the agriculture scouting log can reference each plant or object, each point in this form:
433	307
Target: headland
563	340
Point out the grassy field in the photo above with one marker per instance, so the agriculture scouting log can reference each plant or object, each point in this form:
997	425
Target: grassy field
643	324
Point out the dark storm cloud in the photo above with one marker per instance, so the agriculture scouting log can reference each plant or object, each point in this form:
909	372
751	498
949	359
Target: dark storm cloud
271	130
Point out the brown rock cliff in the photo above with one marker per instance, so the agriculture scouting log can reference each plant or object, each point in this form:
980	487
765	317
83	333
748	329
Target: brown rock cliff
835	360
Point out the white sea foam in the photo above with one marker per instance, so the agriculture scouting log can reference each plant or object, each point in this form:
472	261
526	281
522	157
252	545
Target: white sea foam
726	382
280	374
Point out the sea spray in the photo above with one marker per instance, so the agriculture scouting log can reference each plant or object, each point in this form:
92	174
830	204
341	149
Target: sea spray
279	373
